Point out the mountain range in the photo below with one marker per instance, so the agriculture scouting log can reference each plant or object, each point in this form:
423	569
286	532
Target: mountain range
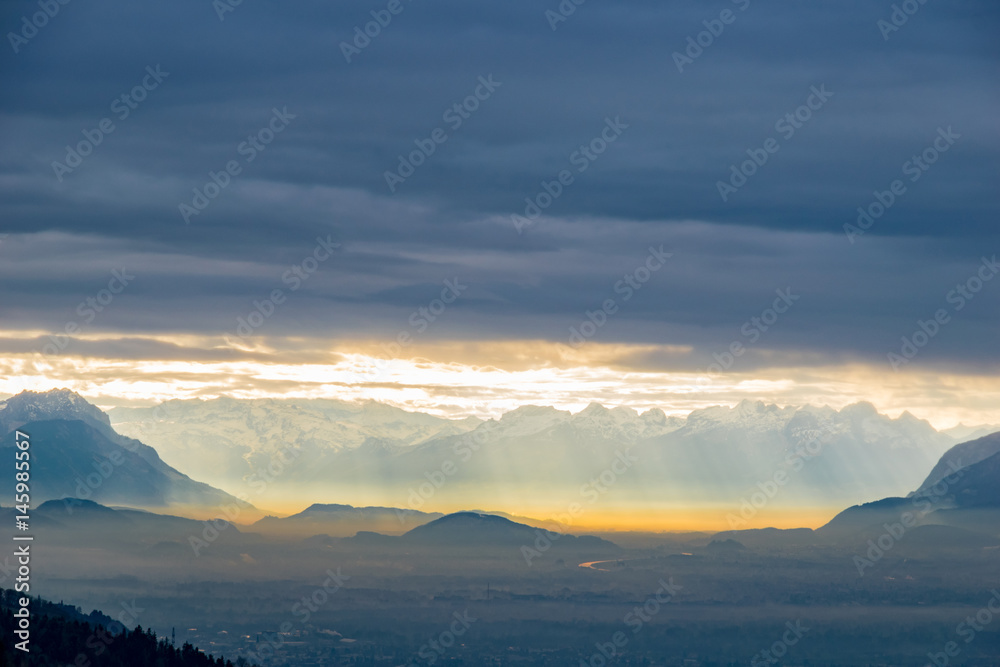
76	453
955	499
336	451
230	440
957	506
332	450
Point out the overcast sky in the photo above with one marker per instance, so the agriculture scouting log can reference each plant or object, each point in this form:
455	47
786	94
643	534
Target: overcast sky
886	95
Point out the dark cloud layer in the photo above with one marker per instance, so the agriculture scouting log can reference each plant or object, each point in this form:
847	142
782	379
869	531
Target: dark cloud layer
324	173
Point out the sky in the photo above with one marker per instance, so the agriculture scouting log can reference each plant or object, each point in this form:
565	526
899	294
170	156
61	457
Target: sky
476	206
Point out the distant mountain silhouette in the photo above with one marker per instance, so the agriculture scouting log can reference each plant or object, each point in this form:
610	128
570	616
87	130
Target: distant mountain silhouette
471	528
86	524
723	546
344	521
478	529
966	498
866	518
766	538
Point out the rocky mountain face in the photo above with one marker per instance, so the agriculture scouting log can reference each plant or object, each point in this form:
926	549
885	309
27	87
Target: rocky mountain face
76	453
960	456
957	496
30	406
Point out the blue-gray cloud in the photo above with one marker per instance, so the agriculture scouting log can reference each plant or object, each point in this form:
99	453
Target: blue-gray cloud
325	173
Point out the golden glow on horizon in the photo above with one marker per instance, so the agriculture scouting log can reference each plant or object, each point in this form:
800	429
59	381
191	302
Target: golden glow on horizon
678	519
485	379
639	518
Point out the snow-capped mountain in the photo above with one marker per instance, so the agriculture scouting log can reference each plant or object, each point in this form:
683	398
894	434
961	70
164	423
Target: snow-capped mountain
229	441
75	453
30	406
332	451
594	420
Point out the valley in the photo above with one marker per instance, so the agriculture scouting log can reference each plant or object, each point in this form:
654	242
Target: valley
387	585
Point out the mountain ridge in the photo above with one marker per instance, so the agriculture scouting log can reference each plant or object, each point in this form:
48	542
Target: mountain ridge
77	453
342	445
417	462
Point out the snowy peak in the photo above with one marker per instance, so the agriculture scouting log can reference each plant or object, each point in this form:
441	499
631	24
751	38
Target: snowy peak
860	421
595	420
30	406
622	423
860	410
530	419
77	436
746	415
266	424
228	441
381	449
596	409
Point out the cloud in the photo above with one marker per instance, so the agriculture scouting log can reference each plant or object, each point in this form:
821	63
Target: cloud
849	302
324	176
487	378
